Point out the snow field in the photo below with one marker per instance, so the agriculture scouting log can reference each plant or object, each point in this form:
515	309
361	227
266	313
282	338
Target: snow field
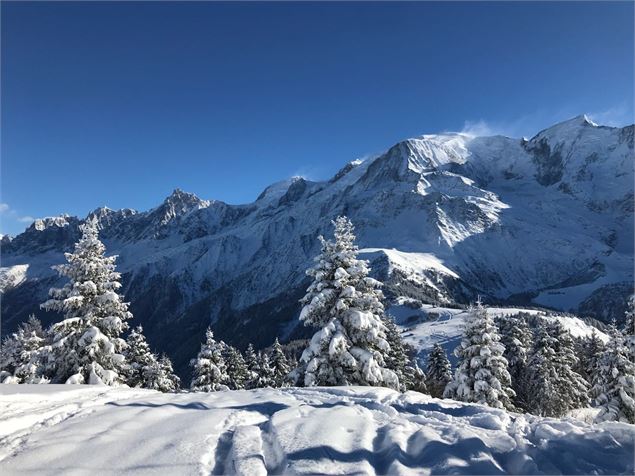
51	429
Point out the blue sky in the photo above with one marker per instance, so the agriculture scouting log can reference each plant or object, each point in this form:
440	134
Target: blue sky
118	103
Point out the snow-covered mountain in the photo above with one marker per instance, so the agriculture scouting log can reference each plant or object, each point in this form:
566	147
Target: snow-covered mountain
546	221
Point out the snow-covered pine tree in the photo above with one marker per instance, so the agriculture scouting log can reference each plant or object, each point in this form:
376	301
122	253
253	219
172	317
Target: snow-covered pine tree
209	371
172	381
138	357
541	375
87	343
415	377
345	303
517	339
438	371
265	372
629	326
615	381
279	365
159	375
251	361
481	376
592	349
396	359
237	372
25	354
572	389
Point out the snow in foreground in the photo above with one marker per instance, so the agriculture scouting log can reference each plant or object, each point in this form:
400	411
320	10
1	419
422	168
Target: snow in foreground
99	430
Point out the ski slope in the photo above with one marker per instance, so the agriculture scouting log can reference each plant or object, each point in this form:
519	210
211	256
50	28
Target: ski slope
56	429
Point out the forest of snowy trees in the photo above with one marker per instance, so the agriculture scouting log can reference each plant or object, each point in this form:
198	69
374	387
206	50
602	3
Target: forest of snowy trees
519	363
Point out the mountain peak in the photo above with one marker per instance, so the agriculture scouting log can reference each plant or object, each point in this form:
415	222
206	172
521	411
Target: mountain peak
59	221
568	127
179	203
581	120
185	200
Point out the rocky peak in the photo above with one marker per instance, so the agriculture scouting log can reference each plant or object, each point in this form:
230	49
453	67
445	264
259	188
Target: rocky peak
179	203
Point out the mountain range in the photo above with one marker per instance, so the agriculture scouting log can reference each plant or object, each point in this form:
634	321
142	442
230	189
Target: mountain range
444	218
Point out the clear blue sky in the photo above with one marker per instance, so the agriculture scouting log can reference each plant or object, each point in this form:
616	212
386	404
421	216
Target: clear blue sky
118	103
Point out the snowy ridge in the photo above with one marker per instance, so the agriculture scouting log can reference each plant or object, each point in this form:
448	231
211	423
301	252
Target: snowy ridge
12	276
299	431
424	326
545	221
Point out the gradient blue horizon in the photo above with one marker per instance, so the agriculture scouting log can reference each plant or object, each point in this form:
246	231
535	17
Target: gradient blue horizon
118	103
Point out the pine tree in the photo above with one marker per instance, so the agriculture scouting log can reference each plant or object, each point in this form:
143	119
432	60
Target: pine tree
629	327
396	359
415	378
173	382
138	357
438	371
592	349
87	343
266	376
237	371
209	370
482	375
615	381
517	339
253	367
555	387
159	375
346	305
572	389
25	355
279	365
542	377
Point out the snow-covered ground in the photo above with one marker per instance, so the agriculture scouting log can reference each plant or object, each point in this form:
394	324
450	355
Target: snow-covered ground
54	429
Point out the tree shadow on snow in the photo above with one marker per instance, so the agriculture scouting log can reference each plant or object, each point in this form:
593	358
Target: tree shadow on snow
182	406
266	408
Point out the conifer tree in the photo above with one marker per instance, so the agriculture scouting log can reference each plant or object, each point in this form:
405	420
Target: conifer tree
615	381
253	367
237	372
415	378
25	355
592	349
159	375
172	381
629	327
438	371
138	357
572	389
517	339
209	369
482	375
265	372
345	303
279	365
87	343
542	377
396	359
555	387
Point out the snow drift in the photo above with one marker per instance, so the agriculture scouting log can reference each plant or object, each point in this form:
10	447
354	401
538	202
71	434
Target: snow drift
353	430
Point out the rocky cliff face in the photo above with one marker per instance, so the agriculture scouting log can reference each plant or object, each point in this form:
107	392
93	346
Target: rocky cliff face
548	221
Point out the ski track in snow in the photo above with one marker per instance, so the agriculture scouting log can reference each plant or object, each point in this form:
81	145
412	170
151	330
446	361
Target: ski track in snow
56	429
